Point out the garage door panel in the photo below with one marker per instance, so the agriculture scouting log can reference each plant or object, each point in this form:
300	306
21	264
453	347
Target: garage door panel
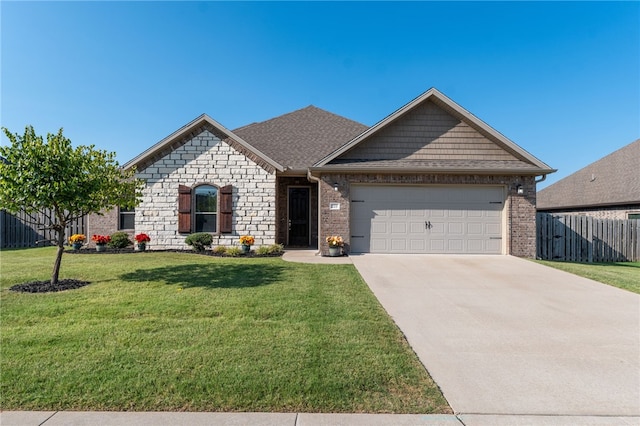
418	245
475	228
455	245
455	229
423	219
398	245
493	229
475	245
416	227
399	228
378	228
436	245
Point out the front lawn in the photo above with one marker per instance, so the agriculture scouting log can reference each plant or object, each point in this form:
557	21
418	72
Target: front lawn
625	275
182	332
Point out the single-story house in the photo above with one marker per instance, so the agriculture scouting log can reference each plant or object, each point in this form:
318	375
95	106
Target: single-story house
607	189
429	178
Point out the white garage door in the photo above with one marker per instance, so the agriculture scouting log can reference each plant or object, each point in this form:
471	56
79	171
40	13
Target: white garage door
421	219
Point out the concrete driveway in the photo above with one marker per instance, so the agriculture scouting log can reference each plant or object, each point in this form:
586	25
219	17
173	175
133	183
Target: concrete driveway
503	335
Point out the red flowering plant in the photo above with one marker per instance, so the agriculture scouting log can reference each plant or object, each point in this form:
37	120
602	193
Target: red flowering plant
100	239
142	238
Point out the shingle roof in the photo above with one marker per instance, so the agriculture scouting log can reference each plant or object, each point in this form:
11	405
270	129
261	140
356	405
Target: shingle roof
612	180
300	138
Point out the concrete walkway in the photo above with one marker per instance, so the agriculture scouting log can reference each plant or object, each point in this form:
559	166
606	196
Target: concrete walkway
101	418
503	335
312	256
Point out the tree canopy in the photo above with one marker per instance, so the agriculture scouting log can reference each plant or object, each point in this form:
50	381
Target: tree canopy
61	183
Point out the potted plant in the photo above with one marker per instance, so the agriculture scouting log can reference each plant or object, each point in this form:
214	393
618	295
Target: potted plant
142	240
335	245
77	240
101	241
247	241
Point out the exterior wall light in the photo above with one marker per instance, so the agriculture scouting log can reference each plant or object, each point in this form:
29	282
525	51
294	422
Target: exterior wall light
335	186
519	189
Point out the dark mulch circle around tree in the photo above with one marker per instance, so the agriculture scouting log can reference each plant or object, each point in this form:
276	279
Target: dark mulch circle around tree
46	287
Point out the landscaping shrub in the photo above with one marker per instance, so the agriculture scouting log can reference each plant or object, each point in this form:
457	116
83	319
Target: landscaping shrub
120	240
199	241
276	249
262	250
220	250
234	251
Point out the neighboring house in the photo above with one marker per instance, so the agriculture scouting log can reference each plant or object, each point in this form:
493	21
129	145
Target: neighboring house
429	178
606	189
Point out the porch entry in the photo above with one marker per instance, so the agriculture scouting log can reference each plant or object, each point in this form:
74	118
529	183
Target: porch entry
299	219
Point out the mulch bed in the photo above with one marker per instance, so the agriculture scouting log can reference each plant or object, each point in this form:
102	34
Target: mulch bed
46	287
201	253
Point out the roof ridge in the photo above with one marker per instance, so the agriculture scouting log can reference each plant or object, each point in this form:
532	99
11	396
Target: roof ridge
308	107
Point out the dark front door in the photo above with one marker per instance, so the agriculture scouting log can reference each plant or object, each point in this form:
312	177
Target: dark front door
299	217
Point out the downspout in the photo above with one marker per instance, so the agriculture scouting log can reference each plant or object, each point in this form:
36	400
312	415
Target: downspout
312	178
543	177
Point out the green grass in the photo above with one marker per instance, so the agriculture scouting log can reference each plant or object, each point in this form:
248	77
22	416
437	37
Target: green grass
174	331
625	275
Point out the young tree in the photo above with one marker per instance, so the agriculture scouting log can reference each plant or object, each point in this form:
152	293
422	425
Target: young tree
54	181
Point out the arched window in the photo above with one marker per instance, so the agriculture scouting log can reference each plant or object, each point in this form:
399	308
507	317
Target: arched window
206	208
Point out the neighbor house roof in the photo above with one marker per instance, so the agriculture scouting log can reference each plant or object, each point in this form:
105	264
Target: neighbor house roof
300	138
192	129
518	161
612	180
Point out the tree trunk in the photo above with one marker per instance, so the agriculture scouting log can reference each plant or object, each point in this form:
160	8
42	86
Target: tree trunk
56	265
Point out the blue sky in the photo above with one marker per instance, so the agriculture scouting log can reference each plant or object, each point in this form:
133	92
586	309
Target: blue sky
562	80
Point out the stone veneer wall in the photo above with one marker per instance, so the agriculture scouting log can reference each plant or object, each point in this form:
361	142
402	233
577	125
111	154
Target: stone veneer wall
519	209
205	159
615	212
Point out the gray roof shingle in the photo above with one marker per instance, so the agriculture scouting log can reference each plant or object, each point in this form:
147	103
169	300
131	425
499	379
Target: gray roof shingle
300	138
612	180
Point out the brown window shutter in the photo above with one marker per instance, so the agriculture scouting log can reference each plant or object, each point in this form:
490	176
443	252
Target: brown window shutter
226	209
184	209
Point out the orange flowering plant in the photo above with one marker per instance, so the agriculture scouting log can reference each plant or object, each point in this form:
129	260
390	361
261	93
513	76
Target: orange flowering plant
335	241
100	239
247	240
77	238
142	238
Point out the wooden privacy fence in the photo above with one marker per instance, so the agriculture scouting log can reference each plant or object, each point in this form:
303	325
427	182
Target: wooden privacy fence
17	231
587	239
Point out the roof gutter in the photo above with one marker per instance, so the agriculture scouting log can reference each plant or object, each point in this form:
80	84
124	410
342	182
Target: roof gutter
410	170
542	178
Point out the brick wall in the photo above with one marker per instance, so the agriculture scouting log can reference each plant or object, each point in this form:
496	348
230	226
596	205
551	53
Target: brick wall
105	224
206	159
519	209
